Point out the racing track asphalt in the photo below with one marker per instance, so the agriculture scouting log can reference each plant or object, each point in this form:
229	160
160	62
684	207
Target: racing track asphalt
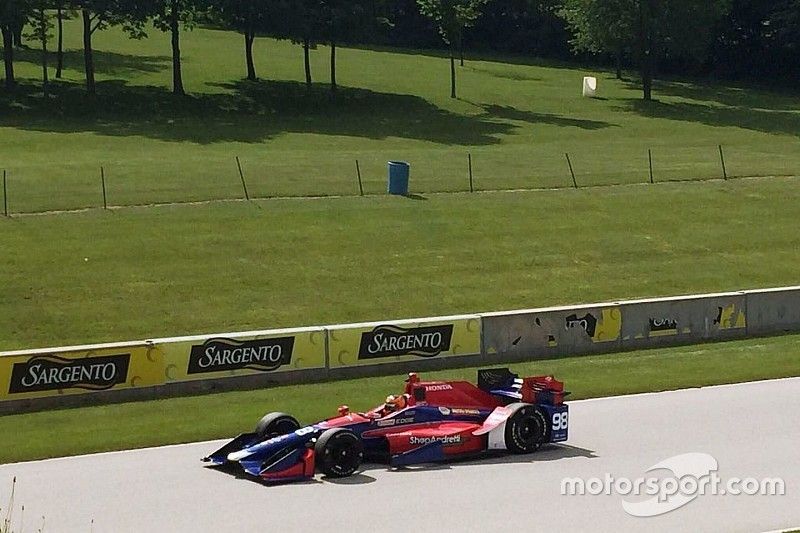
752	429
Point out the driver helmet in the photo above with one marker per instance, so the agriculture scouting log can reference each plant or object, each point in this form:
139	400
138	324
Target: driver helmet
395	403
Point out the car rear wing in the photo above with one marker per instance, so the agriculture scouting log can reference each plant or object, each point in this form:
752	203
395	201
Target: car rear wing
536	389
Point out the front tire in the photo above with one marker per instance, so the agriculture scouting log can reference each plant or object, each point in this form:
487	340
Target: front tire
526	429
276	424
338	452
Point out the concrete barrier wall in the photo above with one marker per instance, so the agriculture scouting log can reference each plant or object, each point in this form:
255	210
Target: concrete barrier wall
683	320
548	332
58	377
773	311
575	330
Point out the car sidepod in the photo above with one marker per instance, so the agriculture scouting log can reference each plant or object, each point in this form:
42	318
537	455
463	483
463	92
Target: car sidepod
433	443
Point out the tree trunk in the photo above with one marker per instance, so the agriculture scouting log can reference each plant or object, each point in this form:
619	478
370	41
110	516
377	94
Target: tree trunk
60	52
645	51
619	62
249	37
175	30
333	66
8	56
43	37
18	35
647	77
88	56
307	60
452	73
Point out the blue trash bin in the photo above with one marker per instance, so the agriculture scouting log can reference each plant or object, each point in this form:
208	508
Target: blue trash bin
398	177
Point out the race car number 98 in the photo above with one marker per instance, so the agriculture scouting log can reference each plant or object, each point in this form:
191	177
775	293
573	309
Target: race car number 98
560	421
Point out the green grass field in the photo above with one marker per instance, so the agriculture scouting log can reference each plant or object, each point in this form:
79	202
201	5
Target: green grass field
516	119
149	272
157	271
123	426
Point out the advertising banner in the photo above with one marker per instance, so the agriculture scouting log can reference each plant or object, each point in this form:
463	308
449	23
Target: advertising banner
403	340
79	370
242	354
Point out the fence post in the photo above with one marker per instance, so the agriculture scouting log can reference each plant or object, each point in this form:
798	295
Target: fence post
650	160
241	175
469	161
103	183
5	194
358	173
722	159
574	181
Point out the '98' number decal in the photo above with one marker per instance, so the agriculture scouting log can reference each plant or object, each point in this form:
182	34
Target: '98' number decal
560	421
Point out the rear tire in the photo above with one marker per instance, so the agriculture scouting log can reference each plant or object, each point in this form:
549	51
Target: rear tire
338	452
276	424
526	429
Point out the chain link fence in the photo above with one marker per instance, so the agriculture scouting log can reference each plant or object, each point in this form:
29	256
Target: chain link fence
72	186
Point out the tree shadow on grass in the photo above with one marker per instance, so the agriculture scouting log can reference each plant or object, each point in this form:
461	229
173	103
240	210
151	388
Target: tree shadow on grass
482	55
721	106
512	113
254	112
503	73
753	97
765	121
243	112
109	63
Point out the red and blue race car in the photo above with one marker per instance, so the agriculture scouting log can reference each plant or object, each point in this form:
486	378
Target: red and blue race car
431	421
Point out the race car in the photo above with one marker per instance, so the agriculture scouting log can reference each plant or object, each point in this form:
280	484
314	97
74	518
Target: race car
430	421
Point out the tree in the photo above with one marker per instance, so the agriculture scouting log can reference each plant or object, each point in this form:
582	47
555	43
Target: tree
168	17
787	22
248	18
466	23
13	14
758	39
602	26
41	26
451	18
130	15
62	14
530	27
333	12
304	27
649	27
339	19
299	21
18	24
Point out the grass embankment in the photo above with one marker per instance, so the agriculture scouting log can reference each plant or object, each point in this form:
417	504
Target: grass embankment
122	426
516	119
145	273
151	272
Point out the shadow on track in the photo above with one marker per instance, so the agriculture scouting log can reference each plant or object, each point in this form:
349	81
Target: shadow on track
553	452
